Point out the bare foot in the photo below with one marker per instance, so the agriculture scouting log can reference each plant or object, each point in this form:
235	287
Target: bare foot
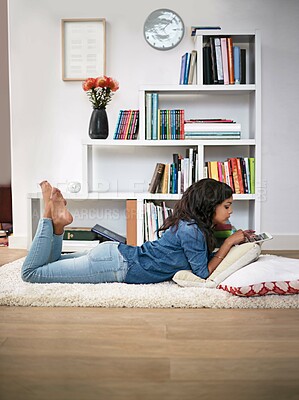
46	191
57	211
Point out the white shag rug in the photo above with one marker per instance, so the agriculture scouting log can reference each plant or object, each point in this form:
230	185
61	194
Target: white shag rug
15	292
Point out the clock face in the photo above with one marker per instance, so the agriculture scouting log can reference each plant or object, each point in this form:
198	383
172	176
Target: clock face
163	29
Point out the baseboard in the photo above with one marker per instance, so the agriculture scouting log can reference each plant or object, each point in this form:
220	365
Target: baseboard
17	242
282	242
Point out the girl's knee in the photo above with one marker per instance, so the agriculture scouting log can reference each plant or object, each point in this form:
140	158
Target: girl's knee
26	274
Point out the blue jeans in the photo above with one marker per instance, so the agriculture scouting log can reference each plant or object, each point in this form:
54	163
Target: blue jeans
45	263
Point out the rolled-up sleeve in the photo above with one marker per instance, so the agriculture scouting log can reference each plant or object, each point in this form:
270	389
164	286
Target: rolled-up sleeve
195	248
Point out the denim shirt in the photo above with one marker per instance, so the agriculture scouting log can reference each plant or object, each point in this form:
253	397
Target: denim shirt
184	248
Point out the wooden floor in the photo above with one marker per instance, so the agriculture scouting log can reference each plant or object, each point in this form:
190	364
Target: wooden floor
178	354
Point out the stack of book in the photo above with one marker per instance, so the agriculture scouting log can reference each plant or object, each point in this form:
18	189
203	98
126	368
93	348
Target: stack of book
223	62
3	238
238	173
175	177
212	129
162	124
197	29
127	125
154	217
188	68
223	231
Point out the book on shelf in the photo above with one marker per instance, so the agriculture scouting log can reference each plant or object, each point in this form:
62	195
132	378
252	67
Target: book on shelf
155	106
251	161
131	222
207	65
247	173
153	221
163	124
212	127
213	170
243	66
240	175
164	184
188	68
192	69
235	177
155	215
230	57
176	176
223	42
246	183
151	116
156	178
127	125
213	61
170	126
210	120
223	61
176	172
235	172
237	64
212	135
183	68
218	57
228	174
148	116
198	29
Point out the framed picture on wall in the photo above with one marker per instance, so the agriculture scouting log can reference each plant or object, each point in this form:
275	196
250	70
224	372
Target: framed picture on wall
83	48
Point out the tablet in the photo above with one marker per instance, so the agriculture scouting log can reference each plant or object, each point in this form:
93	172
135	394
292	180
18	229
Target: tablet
108	234
260	237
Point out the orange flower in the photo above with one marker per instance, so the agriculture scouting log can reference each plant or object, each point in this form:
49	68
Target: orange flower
101	81
100	90
114	85
89	83
107	82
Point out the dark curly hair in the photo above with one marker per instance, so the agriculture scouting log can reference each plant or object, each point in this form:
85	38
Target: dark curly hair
198	204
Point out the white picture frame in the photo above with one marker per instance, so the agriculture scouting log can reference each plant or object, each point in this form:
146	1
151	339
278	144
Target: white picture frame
83	48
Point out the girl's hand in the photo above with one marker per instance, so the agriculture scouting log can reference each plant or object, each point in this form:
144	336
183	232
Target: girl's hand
249	233
238	237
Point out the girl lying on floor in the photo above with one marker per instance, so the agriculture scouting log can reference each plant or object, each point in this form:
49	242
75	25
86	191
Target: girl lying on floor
187	243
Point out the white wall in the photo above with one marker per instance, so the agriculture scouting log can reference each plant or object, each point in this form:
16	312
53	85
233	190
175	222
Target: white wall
4	99
50	117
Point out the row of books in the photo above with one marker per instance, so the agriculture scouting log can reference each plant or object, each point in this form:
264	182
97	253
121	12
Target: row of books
223	62
188	68
177	176
162	124
238	173
212	129
170	124
127	125
154	217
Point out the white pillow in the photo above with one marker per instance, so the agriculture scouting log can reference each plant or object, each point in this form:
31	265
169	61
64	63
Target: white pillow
237	258
268	275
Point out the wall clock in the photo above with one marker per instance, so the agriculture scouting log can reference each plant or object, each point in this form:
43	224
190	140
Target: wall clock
163	29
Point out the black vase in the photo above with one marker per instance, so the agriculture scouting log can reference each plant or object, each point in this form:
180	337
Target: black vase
98	125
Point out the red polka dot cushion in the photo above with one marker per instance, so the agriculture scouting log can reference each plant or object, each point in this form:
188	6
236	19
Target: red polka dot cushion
268	275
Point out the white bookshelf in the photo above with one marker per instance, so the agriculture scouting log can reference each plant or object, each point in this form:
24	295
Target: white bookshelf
116	170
